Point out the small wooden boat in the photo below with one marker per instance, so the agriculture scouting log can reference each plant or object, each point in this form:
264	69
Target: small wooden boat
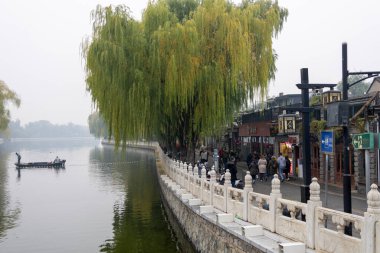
60	164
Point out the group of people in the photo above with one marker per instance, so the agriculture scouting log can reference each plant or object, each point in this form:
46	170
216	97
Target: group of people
264	167
261	167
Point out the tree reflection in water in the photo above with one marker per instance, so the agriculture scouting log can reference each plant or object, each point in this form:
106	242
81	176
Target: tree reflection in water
139	222
8	215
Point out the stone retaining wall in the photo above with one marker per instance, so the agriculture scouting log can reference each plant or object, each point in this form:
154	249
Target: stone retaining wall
205	234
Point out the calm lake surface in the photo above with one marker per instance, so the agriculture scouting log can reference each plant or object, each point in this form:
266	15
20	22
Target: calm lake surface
103	201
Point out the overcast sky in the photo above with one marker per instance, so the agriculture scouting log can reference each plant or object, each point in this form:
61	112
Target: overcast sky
40	49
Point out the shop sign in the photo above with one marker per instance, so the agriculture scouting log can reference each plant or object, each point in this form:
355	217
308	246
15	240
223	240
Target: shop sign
363	141
293	139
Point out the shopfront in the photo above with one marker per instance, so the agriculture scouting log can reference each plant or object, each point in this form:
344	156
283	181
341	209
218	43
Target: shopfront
255	137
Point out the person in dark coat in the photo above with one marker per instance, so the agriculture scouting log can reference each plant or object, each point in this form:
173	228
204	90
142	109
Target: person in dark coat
272	167
254	169
249	159
287	168
231	165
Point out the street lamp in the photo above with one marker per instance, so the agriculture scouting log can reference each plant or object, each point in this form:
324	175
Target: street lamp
306	161
346	173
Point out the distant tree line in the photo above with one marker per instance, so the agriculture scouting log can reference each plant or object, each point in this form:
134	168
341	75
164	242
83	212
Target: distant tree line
44	129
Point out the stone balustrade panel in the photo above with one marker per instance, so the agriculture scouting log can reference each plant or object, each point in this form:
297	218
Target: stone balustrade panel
219	198
334	240
258	210
183	180
291	227
191	184
186	181
235	202
206	192
197	187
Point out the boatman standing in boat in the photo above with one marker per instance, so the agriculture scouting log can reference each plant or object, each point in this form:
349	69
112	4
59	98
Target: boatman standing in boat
57	160
18	158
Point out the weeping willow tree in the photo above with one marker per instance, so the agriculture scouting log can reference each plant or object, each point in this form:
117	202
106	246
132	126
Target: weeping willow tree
184	70
6	95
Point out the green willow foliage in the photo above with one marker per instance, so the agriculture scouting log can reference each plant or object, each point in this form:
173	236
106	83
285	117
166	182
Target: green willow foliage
97	126
184	70
6	95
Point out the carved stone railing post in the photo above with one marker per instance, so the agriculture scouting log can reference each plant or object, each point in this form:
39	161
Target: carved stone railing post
176	178
178	171
212	175
227	179
311	218
184	172
227	183
247	189
175	171
189	177
274	195
199	187
203	173
371	217
203	180
212	183
182	175
170	168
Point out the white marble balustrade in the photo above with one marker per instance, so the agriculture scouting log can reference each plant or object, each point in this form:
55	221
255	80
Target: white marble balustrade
297	221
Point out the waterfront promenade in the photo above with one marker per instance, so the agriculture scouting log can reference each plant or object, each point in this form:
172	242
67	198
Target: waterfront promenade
221	218
270	222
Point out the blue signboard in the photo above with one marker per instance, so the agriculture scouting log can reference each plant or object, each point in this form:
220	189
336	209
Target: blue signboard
327	142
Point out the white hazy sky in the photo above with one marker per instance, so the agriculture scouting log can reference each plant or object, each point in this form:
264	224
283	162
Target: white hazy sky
40	49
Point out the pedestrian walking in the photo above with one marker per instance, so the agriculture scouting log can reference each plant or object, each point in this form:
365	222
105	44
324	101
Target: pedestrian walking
249	158
231	165
281	166
262	163
220	160
254	169
204	155
272	167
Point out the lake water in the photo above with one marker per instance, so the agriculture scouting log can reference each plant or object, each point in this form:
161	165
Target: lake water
102	201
